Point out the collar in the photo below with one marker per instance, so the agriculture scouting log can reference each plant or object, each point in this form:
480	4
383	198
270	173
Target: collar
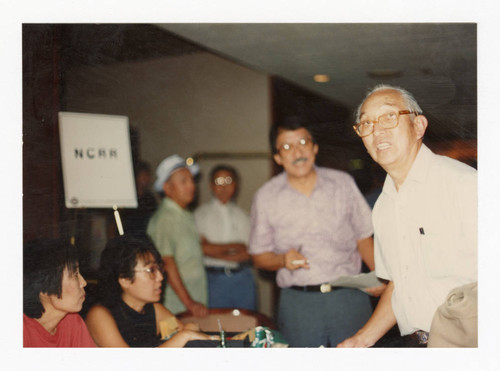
319	180
171	204
215	202
418	171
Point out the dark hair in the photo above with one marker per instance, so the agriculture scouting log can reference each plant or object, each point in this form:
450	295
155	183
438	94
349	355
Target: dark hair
223	167
289	123
44	262
118	260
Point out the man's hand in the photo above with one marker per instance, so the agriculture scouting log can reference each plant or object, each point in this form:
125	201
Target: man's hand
293	259
381	321
377	290
355	341
198	309
236	252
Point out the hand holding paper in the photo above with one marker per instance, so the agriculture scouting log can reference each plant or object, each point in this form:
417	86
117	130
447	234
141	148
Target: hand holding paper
367	282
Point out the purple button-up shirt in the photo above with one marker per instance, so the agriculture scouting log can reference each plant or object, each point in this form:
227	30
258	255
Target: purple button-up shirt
325	226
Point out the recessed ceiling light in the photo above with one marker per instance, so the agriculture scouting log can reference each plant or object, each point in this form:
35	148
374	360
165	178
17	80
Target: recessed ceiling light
321	78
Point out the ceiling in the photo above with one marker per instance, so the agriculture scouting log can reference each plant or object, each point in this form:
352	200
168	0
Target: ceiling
435	61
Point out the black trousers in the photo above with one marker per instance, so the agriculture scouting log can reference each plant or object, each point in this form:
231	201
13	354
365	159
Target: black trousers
393	339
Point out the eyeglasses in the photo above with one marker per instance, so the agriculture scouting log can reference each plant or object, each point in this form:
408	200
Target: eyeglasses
303	143
152	270
388	120
223	180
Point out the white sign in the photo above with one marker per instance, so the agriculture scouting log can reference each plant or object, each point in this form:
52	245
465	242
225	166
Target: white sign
96	161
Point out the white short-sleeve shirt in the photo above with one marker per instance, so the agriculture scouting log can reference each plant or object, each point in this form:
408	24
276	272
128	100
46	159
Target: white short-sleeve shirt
221	224
426	236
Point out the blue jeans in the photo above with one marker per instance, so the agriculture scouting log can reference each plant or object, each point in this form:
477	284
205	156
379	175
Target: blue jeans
312	319
234	290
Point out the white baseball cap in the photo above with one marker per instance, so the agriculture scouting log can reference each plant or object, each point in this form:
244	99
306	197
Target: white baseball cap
169	166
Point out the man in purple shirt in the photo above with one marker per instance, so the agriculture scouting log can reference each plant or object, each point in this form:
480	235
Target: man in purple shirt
312	226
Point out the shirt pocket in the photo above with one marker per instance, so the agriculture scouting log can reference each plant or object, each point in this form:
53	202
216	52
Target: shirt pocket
437	255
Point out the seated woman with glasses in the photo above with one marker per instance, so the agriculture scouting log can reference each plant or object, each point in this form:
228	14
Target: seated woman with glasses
129	313
53	294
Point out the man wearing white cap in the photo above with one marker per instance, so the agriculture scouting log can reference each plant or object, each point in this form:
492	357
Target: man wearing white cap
172	229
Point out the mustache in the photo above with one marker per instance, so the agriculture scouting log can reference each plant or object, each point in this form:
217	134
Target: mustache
299	160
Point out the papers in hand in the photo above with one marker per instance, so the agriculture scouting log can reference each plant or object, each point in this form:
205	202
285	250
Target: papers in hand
361	281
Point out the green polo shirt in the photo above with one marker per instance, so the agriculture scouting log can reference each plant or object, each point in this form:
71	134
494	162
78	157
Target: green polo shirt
174	233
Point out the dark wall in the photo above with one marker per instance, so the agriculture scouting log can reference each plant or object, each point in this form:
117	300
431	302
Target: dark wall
46	56
48	51
42	178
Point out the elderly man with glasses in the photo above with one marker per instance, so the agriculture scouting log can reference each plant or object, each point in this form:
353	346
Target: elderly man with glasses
425	220
312	225
224	228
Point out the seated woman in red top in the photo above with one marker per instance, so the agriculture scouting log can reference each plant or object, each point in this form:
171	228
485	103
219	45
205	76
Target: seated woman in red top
53	294
129	313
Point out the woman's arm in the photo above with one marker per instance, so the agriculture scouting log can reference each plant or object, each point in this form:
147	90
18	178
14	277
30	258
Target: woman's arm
185	333
103	328
181	338
163	314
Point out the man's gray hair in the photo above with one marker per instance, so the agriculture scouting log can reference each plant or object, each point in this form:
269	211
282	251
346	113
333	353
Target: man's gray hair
409	99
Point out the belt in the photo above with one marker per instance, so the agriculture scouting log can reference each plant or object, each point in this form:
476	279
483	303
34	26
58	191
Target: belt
226	270
421	336
323	288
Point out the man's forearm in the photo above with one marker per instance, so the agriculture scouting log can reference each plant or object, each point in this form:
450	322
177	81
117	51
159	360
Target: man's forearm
365	248
230	251
381	321
269	261
291	260
175	280
213	250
